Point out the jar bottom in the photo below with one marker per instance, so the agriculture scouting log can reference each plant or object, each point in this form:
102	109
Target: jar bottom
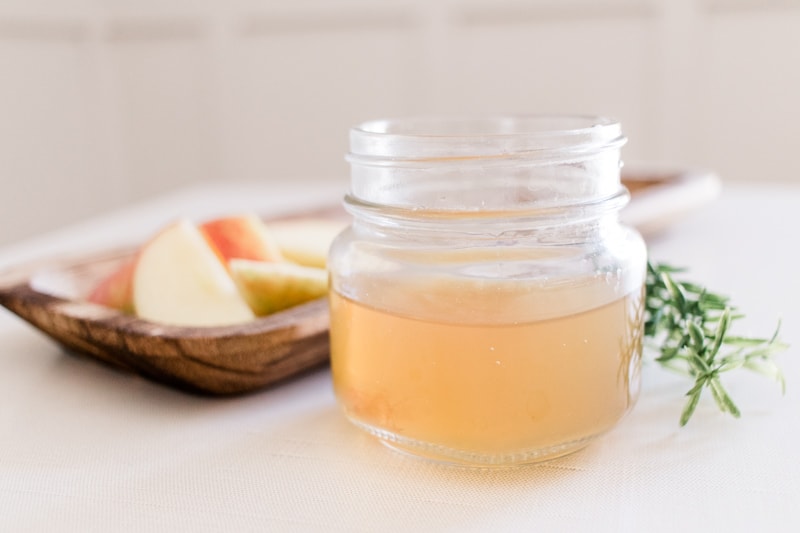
452	456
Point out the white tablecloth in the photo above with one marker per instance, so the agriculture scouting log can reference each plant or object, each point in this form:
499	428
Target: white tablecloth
87	448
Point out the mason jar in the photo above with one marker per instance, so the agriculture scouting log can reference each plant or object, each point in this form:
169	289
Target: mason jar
486	303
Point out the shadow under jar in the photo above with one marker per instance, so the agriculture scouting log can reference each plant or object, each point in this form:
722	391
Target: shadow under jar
486	303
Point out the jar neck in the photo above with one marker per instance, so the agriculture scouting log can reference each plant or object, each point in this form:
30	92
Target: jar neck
573	222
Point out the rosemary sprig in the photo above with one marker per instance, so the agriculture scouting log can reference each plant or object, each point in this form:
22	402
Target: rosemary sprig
690	327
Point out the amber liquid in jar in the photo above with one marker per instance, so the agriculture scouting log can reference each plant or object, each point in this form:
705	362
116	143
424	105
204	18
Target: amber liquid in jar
485	388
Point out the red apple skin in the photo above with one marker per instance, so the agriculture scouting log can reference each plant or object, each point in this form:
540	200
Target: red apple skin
241	237
116	290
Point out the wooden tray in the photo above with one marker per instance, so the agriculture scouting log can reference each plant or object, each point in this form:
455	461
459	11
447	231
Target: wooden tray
216	360
241	358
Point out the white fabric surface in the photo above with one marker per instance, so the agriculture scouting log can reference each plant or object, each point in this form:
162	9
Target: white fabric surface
86	448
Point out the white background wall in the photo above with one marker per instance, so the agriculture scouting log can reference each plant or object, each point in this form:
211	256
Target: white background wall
107	101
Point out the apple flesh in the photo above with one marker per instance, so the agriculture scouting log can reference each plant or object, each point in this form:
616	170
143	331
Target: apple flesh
272	287
116	290
241	237
306	241
224	271
179	280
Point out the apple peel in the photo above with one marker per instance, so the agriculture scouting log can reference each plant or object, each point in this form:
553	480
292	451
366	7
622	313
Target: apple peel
241	237
116	289
271	287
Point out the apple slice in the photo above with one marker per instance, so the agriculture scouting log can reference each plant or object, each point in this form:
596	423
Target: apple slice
241	237
180	280
306	241
116	290
271	287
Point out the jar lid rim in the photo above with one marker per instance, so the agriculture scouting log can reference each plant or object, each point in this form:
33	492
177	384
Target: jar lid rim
444	137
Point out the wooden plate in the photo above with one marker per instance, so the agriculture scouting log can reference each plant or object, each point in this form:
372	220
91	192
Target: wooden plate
216	360
232	359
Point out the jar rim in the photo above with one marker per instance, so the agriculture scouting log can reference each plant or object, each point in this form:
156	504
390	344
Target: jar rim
432	138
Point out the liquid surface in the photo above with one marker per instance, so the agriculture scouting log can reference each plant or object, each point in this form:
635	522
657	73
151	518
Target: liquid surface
487	391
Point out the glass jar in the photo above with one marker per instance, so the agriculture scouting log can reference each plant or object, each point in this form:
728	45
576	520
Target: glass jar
486	303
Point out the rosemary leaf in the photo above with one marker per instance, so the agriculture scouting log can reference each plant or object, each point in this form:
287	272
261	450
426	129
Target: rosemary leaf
722	329
691	405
